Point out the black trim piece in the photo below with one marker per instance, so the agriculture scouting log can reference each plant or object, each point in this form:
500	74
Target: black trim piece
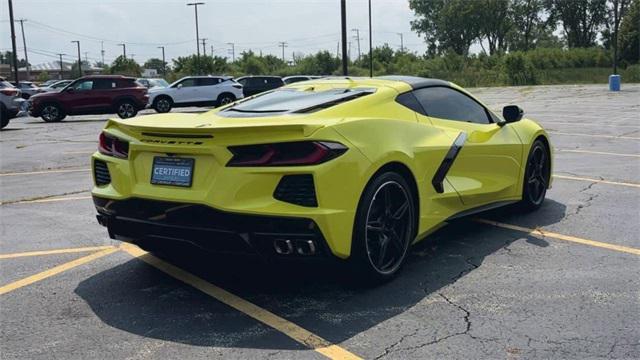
416	82
153	223
448	160
180	136
481	208
297	189
101	173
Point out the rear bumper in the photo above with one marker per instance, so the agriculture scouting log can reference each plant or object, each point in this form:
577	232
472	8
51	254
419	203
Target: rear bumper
152	223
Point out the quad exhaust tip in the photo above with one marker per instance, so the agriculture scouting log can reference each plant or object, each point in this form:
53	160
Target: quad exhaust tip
301	247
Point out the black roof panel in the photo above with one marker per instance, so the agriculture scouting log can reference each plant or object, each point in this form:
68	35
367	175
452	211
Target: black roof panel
415	81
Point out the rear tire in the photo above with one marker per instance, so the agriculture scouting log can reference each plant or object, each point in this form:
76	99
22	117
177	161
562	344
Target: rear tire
536	177
126	109
4	117
162	104
225	99
385	226
52	113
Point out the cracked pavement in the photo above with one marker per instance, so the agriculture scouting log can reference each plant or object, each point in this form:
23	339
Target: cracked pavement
469	291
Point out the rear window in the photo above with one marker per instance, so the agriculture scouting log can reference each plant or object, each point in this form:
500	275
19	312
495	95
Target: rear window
284	101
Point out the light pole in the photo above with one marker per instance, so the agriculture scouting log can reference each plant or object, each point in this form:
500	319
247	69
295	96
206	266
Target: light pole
370	44
61	69
79	59
345	61
124	50
24	43
357	37
204	46
164	64
283	45
233	51
401	42
13	43
195	5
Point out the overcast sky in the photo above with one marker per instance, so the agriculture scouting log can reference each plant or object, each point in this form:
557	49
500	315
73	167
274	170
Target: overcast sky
306	25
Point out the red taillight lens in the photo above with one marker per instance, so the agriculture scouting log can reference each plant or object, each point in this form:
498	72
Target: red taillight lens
285	154
9	92
112	146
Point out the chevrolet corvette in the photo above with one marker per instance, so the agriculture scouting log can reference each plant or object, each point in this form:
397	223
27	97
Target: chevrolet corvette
352	169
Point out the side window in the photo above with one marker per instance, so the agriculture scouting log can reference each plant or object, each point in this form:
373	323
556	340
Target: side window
188	82
409	100
83	85
208	81
103	84
446	103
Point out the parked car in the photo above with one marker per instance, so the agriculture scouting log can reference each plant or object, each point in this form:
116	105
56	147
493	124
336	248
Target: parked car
28	89
152	82
99	94
49	83
10	102
195	91
252	85
297	78
56	86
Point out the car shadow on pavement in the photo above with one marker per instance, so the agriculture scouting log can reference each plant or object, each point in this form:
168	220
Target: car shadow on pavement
141	300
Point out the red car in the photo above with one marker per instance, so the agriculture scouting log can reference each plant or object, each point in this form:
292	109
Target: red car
100	94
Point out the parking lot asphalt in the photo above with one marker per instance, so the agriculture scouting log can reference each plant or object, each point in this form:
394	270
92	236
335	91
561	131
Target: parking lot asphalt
558	283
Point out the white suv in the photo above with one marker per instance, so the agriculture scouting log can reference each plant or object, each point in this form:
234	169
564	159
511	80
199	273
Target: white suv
195	91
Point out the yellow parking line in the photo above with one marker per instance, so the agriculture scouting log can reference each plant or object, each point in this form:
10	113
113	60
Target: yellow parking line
54	271
79	152
46	200
596	152
43	172
549	124
595	135
600	181
54	251
266	317
544	233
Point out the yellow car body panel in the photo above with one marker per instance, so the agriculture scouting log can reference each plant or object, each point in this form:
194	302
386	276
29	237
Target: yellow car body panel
378	132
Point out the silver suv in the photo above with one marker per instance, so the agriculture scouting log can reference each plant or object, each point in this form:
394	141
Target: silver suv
10	102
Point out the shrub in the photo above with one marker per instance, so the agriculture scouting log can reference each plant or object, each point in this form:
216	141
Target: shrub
518	69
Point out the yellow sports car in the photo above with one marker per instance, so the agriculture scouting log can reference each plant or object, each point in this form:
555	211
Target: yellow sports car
356	169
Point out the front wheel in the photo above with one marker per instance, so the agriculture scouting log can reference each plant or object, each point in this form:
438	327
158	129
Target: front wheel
126	109
162	104
4	118
536	177
225	99
385	226
51	113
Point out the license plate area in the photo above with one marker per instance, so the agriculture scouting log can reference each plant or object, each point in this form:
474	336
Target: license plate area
173	171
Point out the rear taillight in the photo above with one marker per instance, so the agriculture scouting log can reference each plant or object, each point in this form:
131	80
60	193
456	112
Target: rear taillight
112	146
285	154
9	92
237	86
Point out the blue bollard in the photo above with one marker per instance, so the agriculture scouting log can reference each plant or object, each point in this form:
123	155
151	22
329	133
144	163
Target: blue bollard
614	82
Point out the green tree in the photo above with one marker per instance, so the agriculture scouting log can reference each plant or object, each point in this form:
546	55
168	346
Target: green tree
155	63
495	23
125	66
450	24
205	64
528	25
629	36
581	19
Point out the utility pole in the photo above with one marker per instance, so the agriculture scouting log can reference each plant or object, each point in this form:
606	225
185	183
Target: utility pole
338	50
204	46
13	43
401	42
164	64
370	44
349	51
233	51
282	44
195	5
24	44
79	59
86	58
102	52
61	69
124	50
343	18
357	37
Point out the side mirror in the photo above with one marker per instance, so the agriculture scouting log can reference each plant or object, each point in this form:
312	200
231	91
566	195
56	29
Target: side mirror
179	86
512	113
70	90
